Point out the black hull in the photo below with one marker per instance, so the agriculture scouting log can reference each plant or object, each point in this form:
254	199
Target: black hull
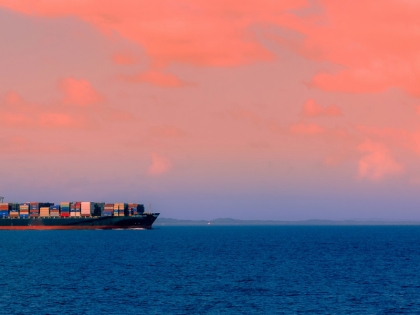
144	221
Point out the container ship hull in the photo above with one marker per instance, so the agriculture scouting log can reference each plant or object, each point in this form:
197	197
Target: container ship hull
144	221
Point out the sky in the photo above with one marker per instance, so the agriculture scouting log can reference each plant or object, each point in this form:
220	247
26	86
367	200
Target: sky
281	110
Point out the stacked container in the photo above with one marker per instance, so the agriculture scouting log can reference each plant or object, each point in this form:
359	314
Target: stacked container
123	210
14	210
132	209
78	208
44	211
4	210
65	209
55	211
120	209
72	209
116	209
135	208
34	209
98	209
86	209
108	210
24	210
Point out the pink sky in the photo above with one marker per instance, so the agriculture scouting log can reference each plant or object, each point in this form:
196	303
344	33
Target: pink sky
282	110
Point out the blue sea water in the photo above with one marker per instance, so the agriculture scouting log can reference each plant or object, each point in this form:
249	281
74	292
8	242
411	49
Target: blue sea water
212	270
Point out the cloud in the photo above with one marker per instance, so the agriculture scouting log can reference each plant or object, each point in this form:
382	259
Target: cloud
13	98
361	80
373	54
312	109
377	162
56	120
217	33
370	54
409	140
80	107
159	165
79	92
19	113
298	128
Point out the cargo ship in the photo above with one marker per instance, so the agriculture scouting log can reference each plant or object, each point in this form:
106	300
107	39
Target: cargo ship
74	216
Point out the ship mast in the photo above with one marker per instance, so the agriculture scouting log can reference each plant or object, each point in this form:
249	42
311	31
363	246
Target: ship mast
1	199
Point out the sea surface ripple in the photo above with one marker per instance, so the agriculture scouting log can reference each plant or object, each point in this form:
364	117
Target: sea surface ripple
212	270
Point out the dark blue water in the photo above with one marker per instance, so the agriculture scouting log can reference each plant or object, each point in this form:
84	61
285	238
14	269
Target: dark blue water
212	270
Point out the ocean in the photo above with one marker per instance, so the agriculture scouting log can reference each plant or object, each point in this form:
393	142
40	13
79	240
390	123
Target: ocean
212	270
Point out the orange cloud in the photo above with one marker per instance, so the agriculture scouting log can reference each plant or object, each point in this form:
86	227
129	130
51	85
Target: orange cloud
398	137
371	54
17	112
377	162
376	45
353	81
12	98
56	120
217	33
312	109
159	165
79	92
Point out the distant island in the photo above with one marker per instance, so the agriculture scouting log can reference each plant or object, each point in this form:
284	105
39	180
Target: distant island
237	222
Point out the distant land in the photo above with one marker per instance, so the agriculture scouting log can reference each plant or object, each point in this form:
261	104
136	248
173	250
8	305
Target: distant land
232	222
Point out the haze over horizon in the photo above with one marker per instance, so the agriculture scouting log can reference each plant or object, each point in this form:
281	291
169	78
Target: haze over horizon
270	110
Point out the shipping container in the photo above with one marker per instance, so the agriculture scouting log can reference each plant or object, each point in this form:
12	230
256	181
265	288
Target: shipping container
44	211
86	209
